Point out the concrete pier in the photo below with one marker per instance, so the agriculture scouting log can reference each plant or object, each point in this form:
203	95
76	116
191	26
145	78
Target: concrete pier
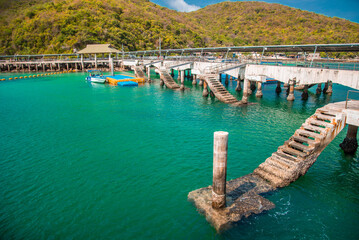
245	91
350	143
305	93
291	91
182	80
318	91
259	92
278	88
239	87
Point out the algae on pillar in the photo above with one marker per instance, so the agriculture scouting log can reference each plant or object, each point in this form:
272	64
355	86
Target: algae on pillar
350	143
259	92
291	91
305	92
220	148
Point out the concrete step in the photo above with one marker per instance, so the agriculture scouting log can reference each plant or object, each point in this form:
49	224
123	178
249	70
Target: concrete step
324	117
274	170
313	128
309	141
306	133
320	123
292	151
284	160
301	147
279	153
274	180
278	163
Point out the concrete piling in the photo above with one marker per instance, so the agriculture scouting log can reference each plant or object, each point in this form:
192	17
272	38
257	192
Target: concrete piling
278	88
239	87
259	92
291	91
226	81
194	81
200	82
220	149
245	91
182	80
318	91
205	90
305	93
350	143
330	88
249	90
149	73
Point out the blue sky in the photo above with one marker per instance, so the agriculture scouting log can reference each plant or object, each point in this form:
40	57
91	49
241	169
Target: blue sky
347	9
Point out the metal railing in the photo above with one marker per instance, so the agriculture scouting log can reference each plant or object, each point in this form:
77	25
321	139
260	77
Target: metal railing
349	99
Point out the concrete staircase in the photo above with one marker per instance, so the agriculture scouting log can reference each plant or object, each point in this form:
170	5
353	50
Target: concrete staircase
139	73
168	80
297	155
218	89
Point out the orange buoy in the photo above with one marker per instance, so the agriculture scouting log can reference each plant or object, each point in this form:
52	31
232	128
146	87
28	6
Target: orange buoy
20	77
15	77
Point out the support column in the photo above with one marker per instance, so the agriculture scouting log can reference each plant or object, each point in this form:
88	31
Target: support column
67	66
58	66
330	88
319	89
200	82
82	62
220	149
220	77
36	67
95	61
291	91
179	75
278	88
51	66
259	93
305	93
245	91
8	67
226	81
149	73
28	65
239	87
350	143
325	89
172	73
194	81
249	90
205	90
182	80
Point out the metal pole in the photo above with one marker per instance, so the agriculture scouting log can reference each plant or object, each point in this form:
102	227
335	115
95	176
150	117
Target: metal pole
315	50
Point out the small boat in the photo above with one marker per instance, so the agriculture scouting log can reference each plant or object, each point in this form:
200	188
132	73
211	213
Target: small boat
95	76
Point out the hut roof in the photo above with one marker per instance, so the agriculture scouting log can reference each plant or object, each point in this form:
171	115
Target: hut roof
98	48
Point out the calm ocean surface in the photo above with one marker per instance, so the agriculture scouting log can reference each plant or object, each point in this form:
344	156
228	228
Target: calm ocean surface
92	161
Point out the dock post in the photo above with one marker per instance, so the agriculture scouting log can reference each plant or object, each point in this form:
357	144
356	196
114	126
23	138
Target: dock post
305	92
350	143
226	81
291	91
259	92
239	87
330	88
278	88
245	91
95	61
182	79
220	149
194	82
179	75
82	62
205	90
325	88
319	89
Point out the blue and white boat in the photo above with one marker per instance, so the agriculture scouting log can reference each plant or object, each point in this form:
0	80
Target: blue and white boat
95	76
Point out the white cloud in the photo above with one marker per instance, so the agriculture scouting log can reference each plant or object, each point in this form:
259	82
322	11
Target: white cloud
182	6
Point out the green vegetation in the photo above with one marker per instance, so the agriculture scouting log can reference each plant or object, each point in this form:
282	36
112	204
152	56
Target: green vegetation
59	26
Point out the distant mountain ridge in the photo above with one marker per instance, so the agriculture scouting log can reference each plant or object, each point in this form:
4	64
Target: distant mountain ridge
59	26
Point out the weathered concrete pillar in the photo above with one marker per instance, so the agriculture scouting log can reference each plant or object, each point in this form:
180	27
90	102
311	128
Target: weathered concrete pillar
245	91
194	81
149	73
51	66
220	149
162	82
325	88
37	67
259	92
172	73
43	67
350	143
230	78
220	77
179	75
291	91
318	91
205	90
278	88
226	81
330	88
182	80
82	62
249	90
305	93
95	61
58	66
200	82
67	66
8	67
28	65
239	87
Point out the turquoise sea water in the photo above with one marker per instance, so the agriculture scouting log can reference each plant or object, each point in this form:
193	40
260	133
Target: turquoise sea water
92	161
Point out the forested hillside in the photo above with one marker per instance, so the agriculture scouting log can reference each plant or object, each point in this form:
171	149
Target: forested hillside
59	26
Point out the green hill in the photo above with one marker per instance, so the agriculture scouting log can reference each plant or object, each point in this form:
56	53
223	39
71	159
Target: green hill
45	26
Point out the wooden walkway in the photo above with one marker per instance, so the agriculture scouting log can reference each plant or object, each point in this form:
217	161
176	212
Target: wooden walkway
287	164
219	90
168	80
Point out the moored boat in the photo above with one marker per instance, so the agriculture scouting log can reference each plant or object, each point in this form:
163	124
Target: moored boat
95	76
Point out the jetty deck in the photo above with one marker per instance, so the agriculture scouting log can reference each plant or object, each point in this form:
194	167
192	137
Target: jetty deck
292	160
